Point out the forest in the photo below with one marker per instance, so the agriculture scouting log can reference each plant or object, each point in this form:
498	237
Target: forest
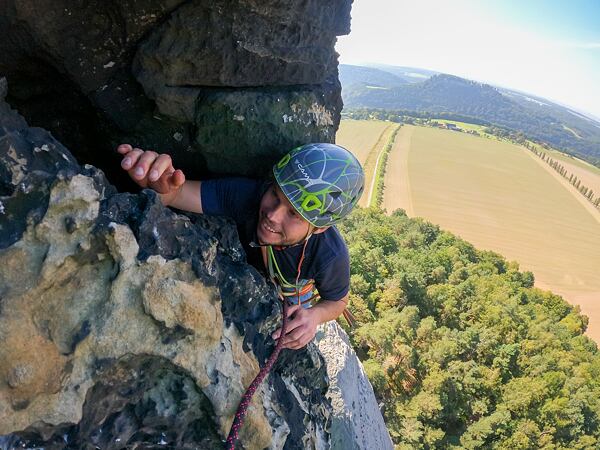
460	347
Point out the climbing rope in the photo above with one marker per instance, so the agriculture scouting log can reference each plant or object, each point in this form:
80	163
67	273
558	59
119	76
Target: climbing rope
243	406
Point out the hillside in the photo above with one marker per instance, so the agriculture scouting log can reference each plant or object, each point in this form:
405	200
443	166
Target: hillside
537	118
368	76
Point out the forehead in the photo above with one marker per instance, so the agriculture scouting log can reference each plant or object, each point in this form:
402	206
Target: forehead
282	196
285	201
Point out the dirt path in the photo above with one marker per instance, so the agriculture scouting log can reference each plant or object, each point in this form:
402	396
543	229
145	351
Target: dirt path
377	164
371	163
397	192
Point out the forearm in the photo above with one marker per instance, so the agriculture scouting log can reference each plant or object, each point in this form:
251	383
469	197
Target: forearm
330	310
187	198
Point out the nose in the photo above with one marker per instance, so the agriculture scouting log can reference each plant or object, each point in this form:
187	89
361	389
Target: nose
276	213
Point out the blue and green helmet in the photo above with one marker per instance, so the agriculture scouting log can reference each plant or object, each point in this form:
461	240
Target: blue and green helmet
322	181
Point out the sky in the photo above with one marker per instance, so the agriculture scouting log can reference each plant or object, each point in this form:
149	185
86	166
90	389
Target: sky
549	48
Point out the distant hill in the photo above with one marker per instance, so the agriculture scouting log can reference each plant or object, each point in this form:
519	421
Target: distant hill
368	76
410	74
537	118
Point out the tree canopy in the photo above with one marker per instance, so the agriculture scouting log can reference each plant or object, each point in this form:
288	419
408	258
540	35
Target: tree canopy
462	350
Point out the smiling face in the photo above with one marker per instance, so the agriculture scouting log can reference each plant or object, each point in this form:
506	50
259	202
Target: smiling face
278	222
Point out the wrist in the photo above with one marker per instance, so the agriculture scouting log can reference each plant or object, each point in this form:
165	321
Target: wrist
320	313
170	198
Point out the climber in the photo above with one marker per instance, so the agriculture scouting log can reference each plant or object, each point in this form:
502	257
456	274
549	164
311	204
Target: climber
286	225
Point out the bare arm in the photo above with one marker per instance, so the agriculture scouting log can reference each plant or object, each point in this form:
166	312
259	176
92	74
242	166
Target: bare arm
188	197
155	171
330	310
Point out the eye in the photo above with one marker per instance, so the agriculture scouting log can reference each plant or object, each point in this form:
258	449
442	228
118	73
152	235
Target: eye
275	196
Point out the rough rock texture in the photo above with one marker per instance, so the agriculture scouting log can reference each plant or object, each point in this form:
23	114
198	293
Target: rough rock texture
177	76
123	323
356	421
126	325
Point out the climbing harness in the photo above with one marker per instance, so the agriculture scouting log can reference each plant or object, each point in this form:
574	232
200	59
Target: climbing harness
303	290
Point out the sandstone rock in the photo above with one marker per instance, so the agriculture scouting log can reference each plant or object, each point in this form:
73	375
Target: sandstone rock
138	72
243	43
247	131
356	422
123	323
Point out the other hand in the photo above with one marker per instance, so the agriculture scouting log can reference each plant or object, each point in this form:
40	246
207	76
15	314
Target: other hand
301	329
151	170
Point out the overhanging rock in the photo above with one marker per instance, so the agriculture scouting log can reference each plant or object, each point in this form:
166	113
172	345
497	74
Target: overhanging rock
137	71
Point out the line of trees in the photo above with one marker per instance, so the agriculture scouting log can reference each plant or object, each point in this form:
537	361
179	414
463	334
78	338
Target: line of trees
381	169
558	167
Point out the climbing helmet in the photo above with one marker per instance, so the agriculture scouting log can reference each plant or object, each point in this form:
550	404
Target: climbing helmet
322	181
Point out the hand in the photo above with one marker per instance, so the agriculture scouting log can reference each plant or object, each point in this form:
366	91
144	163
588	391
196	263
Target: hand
149	169
301	329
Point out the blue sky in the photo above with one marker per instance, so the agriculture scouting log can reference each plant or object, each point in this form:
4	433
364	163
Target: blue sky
549	48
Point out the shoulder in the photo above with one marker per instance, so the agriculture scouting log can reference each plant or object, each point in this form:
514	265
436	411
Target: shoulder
332	265
245	185
330	248
231	196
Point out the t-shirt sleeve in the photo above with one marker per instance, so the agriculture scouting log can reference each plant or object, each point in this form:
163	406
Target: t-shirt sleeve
333	281
232	197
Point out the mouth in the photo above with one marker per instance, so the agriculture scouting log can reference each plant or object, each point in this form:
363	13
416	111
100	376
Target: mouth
268	228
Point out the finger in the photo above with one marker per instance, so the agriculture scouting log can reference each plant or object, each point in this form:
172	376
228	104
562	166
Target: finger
177	178
291	326
123	149
296	346
294	336
292	309
131	159
161	165
141	168
297	343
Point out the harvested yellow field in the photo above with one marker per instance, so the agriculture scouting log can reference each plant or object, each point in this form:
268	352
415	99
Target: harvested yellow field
584	171
365	139
360	136
498	197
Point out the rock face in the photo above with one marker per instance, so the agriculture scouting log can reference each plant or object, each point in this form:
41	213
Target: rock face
211	82
356	421
126	325
122	323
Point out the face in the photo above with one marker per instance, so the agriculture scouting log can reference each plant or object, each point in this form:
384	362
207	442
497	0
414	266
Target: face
278	221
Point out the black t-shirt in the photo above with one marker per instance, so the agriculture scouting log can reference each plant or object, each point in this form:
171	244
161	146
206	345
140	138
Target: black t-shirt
326	258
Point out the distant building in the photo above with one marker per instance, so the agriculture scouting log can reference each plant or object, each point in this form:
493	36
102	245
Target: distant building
452	126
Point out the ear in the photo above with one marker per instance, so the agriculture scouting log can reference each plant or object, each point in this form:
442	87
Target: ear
320	230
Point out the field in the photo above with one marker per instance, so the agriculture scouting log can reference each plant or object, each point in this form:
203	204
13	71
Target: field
365	139
499	196
584	171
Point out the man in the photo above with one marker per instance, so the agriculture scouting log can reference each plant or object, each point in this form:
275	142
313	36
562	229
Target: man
285	225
